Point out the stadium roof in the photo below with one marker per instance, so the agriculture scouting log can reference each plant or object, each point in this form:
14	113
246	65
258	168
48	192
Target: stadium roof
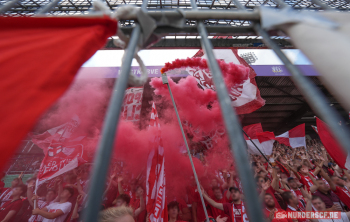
285	106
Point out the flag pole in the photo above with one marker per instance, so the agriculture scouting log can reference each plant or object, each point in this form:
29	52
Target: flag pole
165	81
257	148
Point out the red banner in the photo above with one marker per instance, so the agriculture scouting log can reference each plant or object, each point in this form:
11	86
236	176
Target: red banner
155	182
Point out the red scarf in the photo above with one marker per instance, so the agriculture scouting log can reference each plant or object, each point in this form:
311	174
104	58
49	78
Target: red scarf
244	216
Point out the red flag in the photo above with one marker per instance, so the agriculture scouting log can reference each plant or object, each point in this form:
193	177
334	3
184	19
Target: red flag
58	133
39	59
245	97
341	157
294	137
155	182
60	158
266	140
252	130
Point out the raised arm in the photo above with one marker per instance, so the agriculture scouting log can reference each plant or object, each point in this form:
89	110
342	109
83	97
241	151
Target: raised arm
142	206
294	171
275	179
326	177
219	206
75	214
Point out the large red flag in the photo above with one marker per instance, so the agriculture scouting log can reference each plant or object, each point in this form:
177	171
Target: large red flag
155	182
341	157
39	59
251	131
60	158
294	137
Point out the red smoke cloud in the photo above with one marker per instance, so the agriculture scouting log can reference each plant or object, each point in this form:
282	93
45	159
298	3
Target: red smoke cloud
89	99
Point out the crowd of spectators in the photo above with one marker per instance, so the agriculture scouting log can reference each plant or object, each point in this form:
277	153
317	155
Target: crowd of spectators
300	179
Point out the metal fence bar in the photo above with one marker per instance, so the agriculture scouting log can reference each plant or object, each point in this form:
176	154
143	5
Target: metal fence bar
47	7
105	151
8	6
234	129
317	101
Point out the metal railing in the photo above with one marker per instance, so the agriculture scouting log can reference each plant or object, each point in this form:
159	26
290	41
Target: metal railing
234	131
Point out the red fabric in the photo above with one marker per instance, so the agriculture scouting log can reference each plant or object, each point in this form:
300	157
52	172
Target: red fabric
215	212
331	145
38	61
265	136
343	195
8	206
2	184
306	181
252	130
298	131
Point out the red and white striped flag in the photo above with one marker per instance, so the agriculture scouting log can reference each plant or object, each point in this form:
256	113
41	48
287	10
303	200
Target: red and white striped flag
294	137
266	140
155	181
341	157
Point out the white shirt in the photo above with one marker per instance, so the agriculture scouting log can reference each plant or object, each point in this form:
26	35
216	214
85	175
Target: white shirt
41	205
53	207
344	218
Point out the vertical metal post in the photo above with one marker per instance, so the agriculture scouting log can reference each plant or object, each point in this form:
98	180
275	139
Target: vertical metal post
165	81
8	6
47	7
105	151
234	130
317	101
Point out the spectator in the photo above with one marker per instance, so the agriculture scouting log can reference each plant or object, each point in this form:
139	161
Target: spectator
6	193
234	210
330	200
122	200
271	209
10	208
321	206
337	185
57	211
217	197
292	203
173	212
49	198
117	214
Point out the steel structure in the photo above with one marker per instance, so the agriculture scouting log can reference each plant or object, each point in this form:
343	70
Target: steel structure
231	16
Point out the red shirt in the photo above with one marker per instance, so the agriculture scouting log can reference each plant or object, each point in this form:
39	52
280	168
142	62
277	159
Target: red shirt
135	204
8	206
272	192
267	215
343	195
306	181
200	210
215	212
